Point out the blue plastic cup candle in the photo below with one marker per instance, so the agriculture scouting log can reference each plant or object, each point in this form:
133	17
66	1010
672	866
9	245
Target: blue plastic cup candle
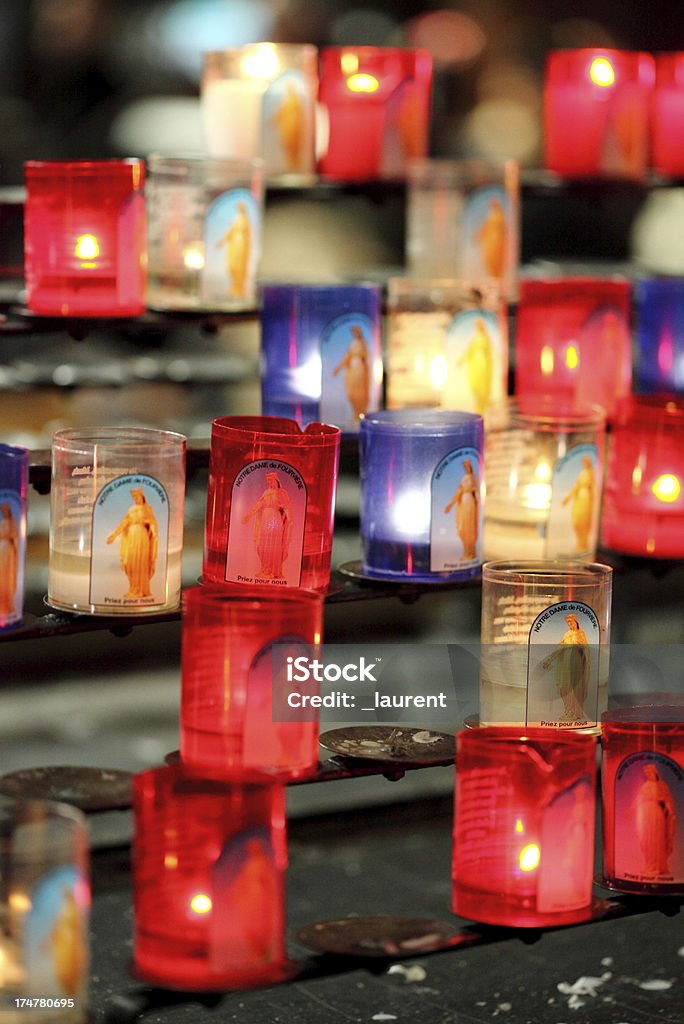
660	334
321	356
421	500
13	481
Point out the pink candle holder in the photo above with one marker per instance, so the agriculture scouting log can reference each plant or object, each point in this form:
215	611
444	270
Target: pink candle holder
604	95
524	826
667	116
378	105
573	341
208	882
270	502
643	502
229	677
85	246
642	779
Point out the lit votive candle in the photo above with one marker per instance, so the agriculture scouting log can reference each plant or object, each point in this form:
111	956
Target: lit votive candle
84	238
447	345
642	778
643	507
572	340
596	112
377	101
209	864
421	497
523	851
231	722
545	635
667	117
660	334
544	478
13	483
116	520
321	353
259	101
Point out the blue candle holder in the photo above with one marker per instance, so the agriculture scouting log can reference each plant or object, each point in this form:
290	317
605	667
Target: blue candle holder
13	482
660	334
321	356
421	500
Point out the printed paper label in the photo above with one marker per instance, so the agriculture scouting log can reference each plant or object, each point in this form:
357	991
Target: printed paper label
284	744
266	528
649	819
563	667
12	554
55	935
287	124
486	233
476	361
566	865
456	514
232	233
573	516
128	564
350	353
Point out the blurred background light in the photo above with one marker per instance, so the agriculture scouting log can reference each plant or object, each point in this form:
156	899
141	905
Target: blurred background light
361	26
453	38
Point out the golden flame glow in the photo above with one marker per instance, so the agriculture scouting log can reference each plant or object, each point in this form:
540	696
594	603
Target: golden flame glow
667	488
572	357
170	861
363	83
546	360
543	471
349	62
261	62
193	256
200	904
87	247
519	827
529	857
602	72
438	372
19	902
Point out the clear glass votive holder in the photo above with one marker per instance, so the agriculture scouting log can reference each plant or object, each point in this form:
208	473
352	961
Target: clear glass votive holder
523	850
447	344
321	352
13	484
85	249
209	863
544	463
116	520
270	502
642	779
204	232
463	221
44	912
259	100
545	637
230	727
421	495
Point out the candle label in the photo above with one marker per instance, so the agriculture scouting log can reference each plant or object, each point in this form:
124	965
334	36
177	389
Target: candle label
417	359
484	797
649	819
287	122
266	529
486	229
564	653
55	935
232	243
566	865
130	536
573	514
350	385
456	512
476	361
274	736
12	551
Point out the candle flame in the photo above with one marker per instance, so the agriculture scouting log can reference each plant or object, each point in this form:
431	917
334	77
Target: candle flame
602	72
200	903
193	257
261	62
667	488
349	62
438	371
546	360
519	827
363	83
411	513
19	902
529	857
572	357
87	247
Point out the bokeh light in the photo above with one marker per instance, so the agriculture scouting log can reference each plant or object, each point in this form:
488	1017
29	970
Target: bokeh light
453	38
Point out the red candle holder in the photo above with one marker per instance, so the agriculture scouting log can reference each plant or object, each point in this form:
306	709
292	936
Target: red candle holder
642	778
84	247
270	502
378	105
643	501
573	340
227	727
667	115
596	113
208	882
524	826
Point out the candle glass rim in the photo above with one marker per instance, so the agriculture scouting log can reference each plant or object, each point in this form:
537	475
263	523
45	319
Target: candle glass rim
290	49
251	428
439	171
52	168
637	716
368	49
555	572
172	774
135	439
546	413
251	596
18	810
398	286
157	161
12	451
509	735
317	287
425	422
573	284
657	408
